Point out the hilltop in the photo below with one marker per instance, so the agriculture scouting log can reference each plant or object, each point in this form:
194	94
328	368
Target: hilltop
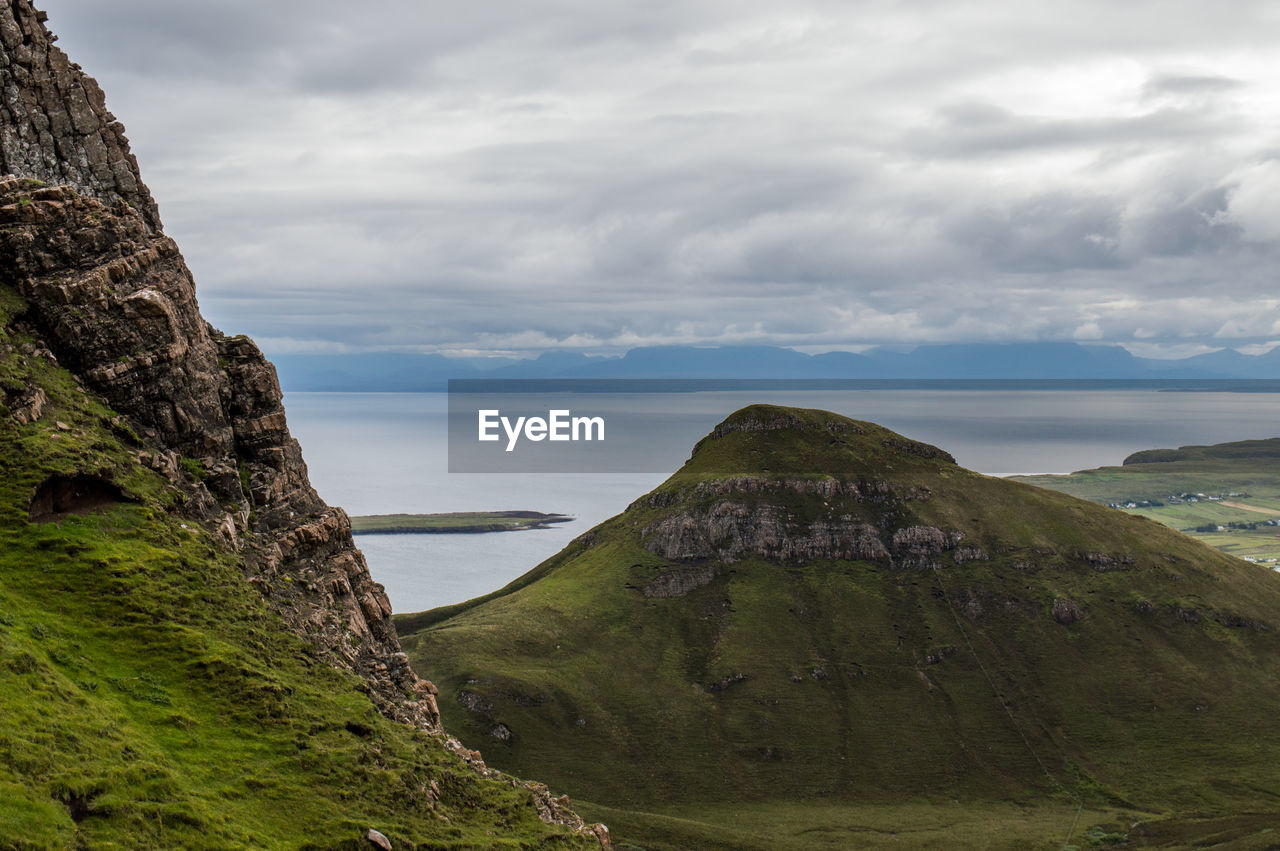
818	632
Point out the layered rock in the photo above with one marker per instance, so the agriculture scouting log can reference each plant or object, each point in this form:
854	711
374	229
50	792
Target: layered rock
111	298
747	516
867	491
729	531
56	127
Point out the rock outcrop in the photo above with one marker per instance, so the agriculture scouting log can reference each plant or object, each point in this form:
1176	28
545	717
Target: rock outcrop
747	516
56	127
109	297
1066	612
729	531
679	582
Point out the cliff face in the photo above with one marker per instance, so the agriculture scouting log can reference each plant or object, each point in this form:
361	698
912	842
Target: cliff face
745	516
56	125
108	297
112	300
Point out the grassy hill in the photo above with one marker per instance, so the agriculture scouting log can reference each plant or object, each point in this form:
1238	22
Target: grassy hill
1226	494
148	696
821	634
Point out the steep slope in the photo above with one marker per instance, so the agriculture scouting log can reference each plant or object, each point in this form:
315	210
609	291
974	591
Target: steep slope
815	609
123	405
112	301
109	296
150	696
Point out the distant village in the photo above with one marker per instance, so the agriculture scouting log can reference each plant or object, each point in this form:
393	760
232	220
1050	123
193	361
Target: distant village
1179	499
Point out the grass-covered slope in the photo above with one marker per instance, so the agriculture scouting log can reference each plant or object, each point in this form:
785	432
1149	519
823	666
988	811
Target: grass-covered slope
150	699
733	662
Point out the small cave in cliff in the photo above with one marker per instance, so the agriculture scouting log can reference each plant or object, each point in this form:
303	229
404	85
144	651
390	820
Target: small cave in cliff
60	496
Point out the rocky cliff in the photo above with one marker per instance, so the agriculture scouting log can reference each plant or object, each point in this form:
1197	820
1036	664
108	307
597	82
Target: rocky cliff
108	297
56	125
113	300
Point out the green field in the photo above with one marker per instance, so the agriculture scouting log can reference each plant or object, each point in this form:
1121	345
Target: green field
818	825
456	522
1192	488
824	825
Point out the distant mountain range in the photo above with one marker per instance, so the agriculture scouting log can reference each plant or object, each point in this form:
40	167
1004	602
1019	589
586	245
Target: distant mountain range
397	371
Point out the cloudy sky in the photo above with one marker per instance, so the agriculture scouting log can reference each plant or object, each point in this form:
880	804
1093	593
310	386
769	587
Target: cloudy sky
507	176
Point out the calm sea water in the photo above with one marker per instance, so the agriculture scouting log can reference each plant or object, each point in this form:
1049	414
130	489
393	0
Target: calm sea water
384	453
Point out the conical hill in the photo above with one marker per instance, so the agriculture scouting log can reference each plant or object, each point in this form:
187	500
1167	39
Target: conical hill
814	607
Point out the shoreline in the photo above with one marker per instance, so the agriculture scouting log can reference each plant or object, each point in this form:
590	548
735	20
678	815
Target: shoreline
455	523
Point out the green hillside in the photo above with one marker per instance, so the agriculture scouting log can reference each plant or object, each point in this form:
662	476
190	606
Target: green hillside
820	634
148	696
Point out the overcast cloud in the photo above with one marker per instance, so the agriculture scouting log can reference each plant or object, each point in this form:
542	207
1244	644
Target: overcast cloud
512	176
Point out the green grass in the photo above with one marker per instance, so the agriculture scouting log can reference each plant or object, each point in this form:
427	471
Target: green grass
466	522
818	824
149	697
782	702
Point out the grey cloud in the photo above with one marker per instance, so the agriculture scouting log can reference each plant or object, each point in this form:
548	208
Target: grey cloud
518	175
1189	84
1196	225
1048	234
978	130
336	46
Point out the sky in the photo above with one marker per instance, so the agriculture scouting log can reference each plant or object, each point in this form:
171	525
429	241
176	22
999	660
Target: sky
505	177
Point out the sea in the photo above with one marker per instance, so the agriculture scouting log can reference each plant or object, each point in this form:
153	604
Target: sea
388	453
